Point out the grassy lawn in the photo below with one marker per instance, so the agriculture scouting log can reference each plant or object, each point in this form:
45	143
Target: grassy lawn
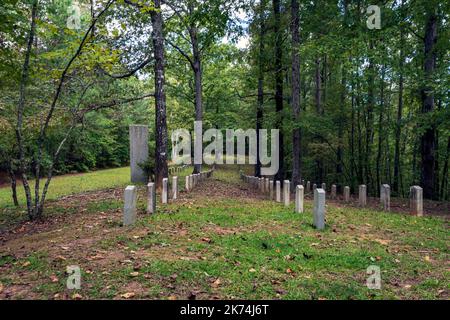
224	241
71	184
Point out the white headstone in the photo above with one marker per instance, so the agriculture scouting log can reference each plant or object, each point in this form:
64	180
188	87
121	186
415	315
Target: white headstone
362	195
319	208
278	191
333	191
129	208
299	197
346	193
174	187
138	152
287	192
416	201
385	197
151	198
165	191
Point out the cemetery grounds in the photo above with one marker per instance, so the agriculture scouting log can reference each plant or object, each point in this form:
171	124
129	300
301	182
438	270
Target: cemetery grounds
223	240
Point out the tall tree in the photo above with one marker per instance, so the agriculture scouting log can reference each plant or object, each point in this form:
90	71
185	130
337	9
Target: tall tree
428	139
295	93
161	170
279	83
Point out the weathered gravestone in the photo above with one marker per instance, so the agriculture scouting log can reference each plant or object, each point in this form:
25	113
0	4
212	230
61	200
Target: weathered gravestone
151	198
129	208
165	191
138	152
319	209
362	195
287	192
299	198
346	193
278	191
174	188
416	201
333	192
385	197
187	184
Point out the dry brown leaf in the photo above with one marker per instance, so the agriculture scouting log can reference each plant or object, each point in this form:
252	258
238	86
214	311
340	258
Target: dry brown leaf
134	274
77	296
26	264
172	298
54	278
216	283
252	270
128	295
1	287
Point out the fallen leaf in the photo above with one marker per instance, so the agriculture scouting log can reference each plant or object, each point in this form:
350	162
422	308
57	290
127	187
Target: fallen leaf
54	278
1	287
407	286
26	264
134	274
172	298
252	270
289	270
77	296
128	295
207	240
216	283
427	258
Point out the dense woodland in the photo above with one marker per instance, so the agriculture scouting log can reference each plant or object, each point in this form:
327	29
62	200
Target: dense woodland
354	105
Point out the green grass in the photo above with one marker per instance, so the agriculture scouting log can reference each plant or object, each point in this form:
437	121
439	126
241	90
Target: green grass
258	249
72	184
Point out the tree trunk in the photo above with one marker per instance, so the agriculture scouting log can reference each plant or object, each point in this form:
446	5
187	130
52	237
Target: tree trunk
380	131
160	97
428	139
260	106
20	112
279	84
444	183
296	134
369	124
197	67
12	178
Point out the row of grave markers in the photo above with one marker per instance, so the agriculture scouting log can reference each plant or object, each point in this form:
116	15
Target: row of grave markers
130	195
266	185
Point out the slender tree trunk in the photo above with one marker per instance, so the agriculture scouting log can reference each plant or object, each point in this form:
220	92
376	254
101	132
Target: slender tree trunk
160	97
369	125
341	121
20	111
398	128
380	131
198	81
260	106
428	139
296	134
12	178
279	84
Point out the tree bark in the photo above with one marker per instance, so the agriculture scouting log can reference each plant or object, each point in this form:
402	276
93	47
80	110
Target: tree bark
21	108
428	139
260	103
160	97
198	81
279	84
296	134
